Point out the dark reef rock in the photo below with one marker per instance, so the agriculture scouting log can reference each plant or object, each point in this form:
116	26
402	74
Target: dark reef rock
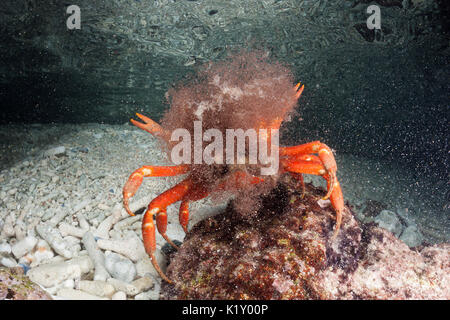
287	252
14	285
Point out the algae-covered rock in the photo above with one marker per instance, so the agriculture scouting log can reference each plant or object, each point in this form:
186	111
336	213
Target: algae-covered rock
14	285
287	252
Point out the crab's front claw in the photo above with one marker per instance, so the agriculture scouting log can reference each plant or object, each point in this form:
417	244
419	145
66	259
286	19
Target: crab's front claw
298	90
301	160
150	126
135	179
130	188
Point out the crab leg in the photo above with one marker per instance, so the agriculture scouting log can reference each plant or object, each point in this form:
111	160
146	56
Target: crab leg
311	164
184	214
158	207
325	154
135	179
337	201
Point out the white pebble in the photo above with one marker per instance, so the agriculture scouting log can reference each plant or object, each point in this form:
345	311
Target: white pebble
144	267
69	230
69	283
389	221
128	288
97	257
412	236
132	248
120	267
72	294
8	227
24	246
103	206
8	262
51	274
148	295
57	151
82	221
97	288
104	227
42	253
119	295
143	284
5	248
54	239
20	230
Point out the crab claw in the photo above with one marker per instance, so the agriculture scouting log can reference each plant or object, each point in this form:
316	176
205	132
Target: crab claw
298	92
150	126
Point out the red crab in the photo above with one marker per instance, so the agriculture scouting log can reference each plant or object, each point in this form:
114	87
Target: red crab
311	158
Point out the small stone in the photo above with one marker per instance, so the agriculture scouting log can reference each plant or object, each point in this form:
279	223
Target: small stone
8	262
96	255
72	294
144	267
389	221
69	283
57	151
24	246
119	295
412	236
98	135
52	274
5	248
148	295
129	289
143	284
323	203
120	267
132	248
97	288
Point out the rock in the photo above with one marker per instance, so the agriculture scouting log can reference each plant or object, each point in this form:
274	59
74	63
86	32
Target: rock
129	289
5	248
24	246
57	151
54	239
73	294
286	252
119	295
412	236
8	262
148	295
144	267
52	274
132	248
96	255
43	252
67	229
16	286
389	221
120	267
97	288
98	135
143	284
